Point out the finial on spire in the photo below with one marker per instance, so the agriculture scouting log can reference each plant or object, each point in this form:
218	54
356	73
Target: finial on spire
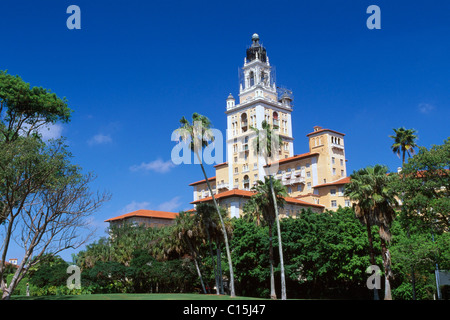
255	39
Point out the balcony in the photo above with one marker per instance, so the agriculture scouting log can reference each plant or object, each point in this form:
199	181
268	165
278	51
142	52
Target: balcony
292	181
287	175
244	147
223	185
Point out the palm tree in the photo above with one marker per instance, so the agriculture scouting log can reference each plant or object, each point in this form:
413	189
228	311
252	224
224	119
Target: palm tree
199	139
404	142
209	226
266	143
263	204
186	233
357	190
375	202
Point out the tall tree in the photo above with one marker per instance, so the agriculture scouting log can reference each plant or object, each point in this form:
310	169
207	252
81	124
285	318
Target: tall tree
267	143
265	205
49	202
199	135
205	215
404	142
375	202
357	190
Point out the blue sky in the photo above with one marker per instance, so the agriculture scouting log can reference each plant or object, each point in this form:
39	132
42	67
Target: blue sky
136	67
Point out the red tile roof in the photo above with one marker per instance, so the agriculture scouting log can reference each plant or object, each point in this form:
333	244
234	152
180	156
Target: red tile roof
229	193
296	157
323	130
146	214
248	194
334	183
221	164
202	181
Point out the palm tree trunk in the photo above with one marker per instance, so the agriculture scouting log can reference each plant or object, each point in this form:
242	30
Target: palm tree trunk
227	247
280	248
197	267
387	270
219	265
212	260
273	294
372	257
413	273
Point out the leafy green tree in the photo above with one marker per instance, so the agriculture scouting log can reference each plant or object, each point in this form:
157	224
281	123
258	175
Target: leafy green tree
326	254
25	109
49	202
198	134
425	186
251	246
51	271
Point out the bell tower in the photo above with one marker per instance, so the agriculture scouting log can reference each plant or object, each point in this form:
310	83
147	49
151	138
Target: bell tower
259	99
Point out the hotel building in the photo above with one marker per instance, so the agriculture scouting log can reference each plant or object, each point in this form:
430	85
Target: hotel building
314	179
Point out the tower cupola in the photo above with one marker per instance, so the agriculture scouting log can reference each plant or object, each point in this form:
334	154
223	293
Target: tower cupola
256	51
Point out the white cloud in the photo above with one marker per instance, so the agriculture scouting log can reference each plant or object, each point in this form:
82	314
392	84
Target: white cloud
100	139
170	205
134	206
158	165
425	107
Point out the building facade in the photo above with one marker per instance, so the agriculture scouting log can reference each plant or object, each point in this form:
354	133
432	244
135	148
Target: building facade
314	179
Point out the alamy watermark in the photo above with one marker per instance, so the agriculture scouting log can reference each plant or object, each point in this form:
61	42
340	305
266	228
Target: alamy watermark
74	280
373	281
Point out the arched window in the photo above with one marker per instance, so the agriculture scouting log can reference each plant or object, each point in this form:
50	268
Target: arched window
244	123
252	78
246	182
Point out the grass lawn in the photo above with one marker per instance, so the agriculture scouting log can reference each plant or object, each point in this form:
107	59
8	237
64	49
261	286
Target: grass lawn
136	296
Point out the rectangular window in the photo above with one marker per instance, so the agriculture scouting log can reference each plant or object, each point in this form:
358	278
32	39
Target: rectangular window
289	190
309	185
333	192
236	170
333	203
307	165
342	172
342	162
299	187
308	174
347	203
333	160
334	171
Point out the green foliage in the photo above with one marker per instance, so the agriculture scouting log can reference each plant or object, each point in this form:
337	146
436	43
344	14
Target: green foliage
51	271
425	186
250	245
326	254
24	109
